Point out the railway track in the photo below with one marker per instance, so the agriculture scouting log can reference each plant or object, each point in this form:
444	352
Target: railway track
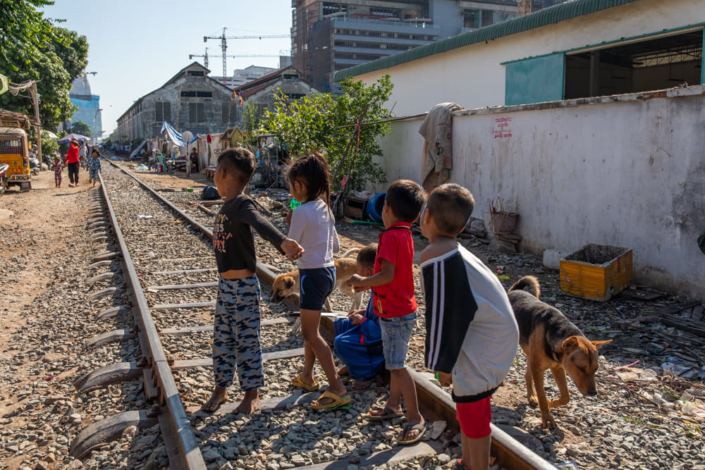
172	321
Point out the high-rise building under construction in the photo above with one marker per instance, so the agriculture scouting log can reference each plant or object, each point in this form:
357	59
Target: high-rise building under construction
327	36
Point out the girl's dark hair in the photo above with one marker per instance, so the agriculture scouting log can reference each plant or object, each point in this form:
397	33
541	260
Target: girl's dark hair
95	150
312	170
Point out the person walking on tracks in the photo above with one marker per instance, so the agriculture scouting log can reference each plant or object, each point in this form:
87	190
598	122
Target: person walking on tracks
72	161
94	166
236	342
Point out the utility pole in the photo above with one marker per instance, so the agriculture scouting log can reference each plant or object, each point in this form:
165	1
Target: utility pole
35	101
224	45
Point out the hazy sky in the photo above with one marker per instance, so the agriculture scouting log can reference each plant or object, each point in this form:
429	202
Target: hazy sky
137	45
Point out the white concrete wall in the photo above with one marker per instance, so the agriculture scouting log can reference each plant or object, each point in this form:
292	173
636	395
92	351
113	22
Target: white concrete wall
473	76
628	173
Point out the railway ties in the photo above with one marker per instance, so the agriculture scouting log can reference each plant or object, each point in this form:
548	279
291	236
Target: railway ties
156	366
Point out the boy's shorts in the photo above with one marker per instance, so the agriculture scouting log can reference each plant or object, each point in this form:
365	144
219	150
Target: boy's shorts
316	285
396	333
474	418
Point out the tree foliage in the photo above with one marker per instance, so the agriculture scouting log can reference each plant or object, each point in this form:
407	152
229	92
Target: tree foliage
80	127
316	122
32	48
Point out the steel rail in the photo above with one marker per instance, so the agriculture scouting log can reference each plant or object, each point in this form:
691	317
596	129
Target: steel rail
509	453
175	424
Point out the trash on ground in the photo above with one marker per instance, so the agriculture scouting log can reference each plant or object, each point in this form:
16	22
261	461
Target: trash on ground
144	217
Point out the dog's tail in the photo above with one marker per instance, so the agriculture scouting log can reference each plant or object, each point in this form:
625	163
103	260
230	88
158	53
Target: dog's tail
348	253
529	284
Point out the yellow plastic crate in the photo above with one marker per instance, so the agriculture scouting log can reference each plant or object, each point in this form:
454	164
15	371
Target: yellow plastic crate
596	272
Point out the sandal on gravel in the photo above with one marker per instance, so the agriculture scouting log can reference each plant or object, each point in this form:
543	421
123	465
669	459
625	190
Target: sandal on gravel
388	414
297	382
459	465
421	428
339	403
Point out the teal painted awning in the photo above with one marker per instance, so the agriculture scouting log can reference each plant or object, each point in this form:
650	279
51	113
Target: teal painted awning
564	11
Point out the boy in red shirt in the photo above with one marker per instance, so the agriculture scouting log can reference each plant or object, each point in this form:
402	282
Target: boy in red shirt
395	303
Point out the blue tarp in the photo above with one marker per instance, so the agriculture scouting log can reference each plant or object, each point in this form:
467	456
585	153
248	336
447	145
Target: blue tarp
175	136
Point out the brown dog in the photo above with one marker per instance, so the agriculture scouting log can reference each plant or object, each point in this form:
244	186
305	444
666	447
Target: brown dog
286	284
550	341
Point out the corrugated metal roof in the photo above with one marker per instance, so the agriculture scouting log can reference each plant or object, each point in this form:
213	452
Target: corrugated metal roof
554	14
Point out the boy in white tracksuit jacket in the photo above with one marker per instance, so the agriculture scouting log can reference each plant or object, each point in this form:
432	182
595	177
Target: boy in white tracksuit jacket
471	333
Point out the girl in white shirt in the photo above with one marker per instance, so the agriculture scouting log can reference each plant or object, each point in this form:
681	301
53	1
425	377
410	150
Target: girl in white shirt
313	227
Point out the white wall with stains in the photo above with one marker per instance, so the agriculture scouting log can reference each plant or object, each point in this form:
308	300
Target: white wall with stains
626	170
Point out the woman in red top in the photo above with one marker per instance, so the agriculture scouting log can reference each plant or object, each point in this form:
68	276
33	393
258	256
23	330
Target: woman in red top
72	161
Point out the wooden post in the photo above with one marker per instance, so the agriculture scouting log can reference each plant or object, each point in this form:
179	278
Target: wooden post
35	100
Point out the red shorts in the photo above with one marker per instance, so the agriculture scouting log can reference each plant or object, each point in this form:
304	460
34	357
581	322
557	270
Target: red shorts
474	418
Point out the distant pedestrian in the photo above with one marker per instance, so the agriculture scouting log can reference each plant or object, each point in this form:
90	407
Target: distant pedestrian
194	161
72	161
57	167
94	166
83	154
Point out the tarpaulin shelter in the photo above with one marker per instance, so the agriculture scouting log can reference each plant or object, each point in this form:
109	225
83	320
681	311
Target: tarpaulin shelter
175	136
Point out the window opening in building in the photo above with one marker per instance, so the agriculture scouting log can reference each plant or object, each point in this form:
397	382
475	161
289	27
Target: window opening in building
196	73
290	76
472	19
188	94
646	65
204	94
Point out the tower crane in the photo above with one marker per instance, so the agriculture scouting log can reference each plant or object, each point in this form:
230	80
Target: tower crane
206	56
525	7
224	44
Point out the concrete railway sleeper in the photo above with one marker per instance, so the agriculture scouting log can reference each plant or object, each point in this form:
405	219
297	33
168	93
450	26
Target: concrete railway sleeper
157	367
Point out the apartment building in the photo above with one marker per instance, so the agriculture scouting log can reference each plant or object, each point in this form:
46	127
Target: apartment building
329	36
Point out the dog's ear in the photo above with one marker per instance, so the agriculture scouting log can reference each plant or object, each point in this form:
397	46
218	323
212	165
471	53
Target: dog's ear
289	282
599	344
570	343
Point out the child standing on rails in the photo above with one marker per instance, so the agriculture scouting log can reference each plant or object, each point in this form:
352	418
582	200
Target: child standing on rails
395	303
57	167
313	226
94	166
236	343
471	333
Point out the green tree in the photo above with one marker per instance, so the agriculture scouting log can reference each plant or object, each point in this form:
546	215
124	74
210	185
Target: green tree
324	123
32	48
80	127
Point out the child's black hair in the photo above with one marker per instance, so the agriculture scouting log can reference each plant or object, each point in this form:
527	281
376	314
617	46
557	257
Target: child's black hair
312	170
239	162
366	256
450	206
95	150
405	198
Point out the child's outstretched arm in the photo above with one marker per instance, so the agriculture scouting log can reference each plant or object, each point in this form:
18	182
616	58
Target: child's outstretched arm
251	216
384	276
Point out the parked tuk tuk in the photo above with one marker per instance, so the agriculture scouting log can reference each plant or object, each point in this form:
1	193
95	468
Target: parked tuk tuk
14	149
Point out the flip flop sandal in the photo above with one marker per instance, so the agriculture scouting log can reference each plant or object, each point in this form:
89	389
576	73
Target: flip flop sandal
421	428
459	465
339	403
297	382
388	414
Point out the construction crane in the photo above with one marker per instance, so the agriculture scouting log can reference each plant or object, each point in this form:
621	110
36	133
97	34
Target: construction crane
206	56
224	45
525	7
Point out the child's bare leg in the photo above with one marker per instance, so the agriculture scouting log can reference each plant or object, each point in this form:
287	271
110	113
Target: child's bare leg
476	452
309	361
394	399
408	391
309	327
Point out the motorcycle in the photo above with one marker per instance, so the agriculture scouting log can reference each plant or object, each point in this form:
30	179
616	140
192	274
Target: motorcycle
3	177
34	165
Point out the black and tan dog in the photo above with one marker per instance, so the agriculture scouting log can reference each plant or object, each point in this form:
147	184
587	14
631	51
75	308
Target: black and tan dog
550	341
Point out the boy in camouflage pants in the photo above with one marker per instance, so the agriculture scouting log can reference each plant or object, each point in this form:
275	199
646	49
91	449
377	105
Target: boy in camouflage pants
236	345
